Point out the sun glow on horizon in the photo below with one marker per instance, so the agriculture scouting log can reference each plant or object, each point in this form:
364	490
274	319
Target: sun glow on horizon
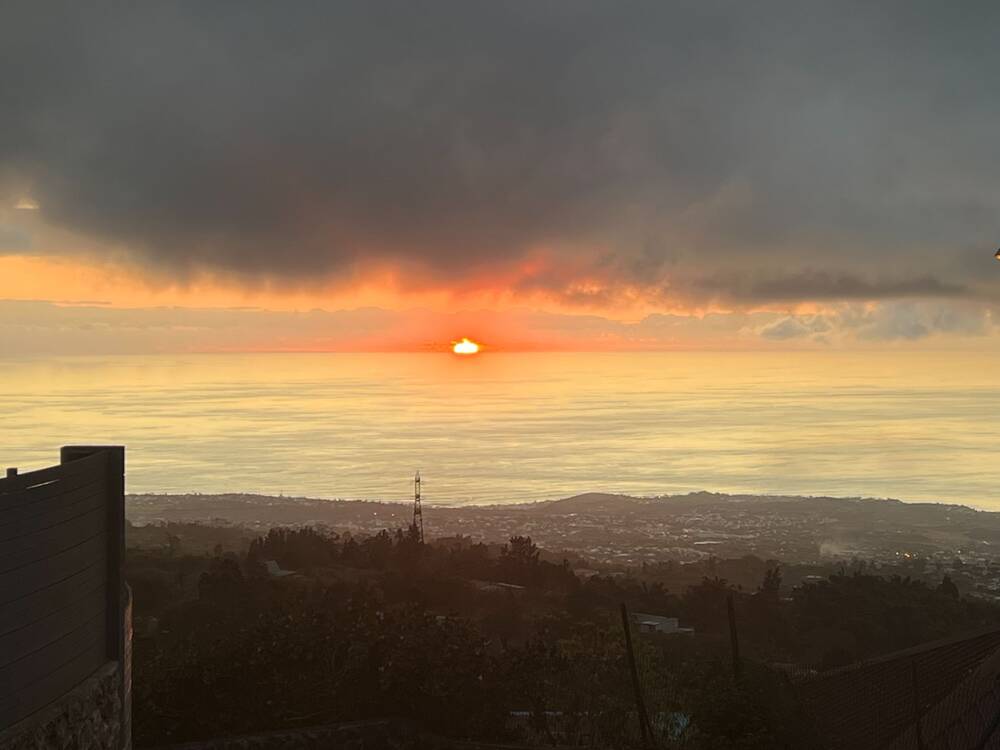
465	346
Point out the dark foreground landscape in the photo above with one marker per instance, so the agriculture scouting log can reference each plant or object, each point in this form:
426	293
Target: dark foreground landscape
506	625
617	532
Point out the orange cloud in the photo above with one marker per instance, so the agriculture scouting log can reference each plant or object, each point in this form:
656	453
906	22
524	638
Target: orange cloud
65	278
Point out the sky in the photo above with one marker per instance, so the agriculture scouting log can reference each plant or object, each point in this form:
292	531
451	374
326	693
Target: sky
261	176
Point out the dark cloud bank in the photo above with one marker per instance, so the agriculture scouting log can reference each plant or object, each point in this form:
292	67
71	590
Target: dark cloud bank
741	151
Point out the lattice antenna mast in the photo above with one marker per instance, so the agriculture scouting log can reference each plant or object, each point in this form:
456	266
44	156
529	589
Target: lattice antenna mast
418	515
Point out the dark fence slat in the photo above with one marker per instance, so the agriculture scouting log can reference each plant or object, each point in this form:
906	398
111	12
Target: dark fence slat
16	522
29	579
50	628
52	598
39	693
50	657
63	471
15	553
114	467
37	496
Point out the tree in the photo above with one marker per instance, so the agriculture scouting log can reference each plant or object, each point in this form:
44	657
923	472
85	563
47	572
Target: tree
948	587
222	582
522	551
772	581
704	605
519	561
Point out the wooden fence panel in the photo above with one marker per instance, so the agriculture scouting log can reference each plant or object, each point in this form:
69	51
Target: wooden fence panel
35	576
67	592
15	522
61	544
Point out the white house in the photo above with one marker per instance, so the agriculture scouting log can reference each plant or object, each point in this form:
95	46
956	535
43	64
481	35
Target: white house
275	571
657	624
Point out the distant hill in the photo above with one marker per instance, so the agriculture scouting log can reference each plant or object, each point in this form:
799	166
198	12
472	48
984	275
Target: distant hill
595	502
620	528
591	502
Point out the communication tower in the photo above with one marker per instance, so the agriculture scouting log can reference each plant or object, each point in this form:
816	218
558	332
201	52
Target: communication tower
418	515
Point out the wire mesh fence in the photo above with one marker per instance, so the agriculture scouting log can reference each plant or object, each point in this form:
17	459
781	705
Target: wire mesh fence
940	696
677	691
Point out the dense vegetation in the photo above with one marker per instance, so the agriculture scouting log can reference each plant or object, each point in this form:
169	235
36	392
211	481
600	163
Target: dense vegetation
387	626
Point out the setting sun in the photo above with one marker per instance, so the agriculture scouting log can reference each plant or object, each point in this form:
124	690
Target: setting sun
465	346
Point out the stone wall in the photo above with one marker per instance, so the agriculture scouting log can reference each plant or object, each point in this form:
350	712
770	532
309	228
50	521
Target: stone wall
126	684
87	718
382	734
361	735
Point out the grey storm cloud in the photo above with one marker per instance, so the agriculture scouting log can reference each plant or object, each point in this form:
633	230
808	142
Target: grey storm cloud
795	327
894	320
657	143
14	239
825	286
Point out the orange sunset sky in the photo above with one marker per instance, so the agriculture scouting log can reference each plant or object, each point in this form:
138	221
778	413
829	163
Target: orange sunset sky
187	178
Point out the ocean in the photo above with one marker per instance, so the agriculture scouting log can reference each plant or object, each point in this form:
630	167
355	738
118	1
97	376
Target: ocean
511	428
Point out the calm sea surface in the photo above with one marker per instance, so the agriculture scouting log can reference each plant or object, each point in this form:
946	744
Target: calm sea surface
500	428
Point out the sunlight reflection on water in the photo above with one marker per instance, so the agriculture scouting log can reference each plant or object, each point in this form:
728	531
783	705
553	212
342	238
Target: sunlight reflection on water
521	427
